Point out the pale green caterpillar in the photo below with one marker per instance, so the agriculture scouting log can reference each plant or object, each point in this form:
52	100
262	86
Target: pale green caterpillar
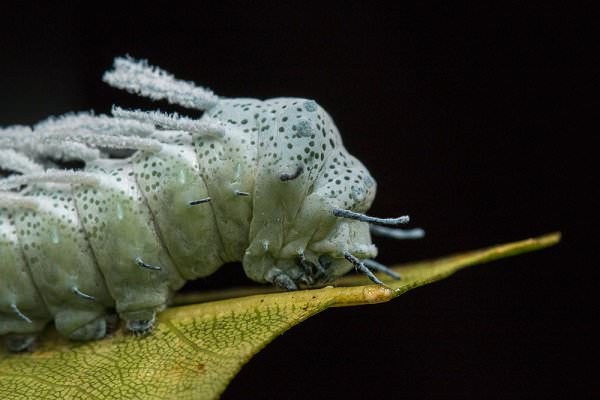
163	199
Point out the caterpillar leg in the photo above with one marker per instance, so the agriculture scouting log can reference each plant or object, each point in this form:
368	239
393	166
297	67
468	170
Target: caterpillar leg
112	323
19	342
81	325
139	322
281	280
91	331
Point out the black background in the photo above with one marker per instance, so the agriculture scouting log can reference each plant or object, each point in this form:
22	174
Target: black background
472	120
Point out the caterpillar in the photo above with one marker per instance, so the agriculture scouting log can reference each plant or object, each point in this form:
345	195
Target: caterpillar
162	198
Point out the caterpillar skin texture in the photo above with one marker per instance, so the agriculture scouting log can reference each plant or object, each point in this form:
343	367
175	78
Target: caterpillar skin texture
261	192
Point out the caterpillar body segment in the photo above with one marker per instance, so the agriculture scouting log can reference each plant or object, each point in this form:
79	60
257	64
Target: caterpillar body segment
268	183
120	229
228	167
60	260
22	309
169	181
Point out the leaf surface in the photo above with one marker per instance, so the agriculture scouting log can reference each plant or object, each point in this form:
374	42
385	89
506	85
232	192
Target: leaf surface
197	349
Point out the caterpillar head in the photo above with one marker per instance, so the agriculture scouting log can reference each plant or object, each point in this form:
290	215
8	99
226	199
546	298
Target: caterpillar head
307	226
327	255
339	236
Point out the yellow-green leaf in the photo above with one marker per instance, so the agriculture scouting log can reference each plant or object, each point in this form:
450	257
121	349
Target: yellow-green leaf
197	349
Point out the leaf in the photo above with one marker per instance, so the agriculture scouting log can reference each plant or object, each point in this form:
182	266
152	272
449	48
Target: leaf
197	349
